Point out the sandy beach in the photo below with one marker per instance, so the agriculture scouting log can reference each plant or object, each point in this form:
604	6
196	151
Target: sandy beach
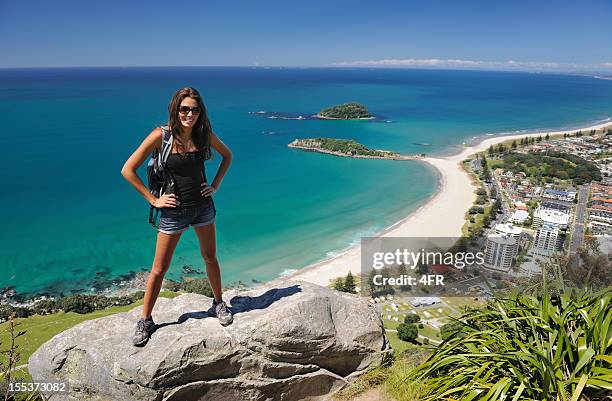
442	216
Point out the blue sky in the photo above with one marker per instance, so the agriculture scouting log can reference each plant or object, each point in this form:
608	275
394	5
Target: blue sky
543	34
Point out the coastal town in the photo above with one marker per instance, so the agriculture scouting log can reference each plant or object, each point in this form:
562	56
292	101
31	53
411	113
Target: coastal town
546	195
525	214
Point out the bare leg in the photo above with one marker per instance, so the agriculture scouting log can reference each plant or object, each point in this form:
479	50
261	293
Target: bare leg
164	249
207	236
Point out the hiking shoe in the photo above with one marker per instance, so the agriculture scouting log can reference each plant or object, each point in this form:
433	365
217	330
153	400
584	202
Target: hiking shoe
224	314
144	328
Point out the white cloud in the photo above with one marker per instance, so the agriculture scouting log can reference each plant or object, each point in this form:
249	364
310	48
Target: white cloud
459	63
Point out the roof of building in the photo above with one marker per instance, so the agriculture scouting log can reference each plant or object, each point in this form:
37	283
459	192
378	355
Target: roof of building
559	192
552	216
508	229
554	206
520	215
502	239
602	207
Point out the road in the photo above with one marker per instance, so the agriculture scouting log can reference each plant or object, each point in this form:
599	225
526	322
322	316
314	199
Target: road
579	219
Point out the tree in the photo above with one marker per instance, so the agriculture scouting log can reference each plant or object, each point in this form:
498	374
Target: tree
349	283
412	318
486	221
339	284
486	174
491	151
422	268
407	332
476	210
540	138
497	206
514	144
370	283
462	244
547	137
493	193
402	269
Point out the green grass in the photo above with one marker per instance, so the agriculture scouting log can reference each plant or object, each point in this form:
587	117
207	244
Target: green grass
40	329
395	384
430	332
459	303
398	345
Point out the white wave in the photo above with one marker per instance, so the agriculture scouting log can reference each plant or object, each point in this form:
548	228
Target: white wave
287	272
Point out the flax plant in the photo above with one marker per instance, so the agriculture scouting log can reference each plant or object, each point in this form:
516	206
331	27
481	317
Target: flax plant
526	347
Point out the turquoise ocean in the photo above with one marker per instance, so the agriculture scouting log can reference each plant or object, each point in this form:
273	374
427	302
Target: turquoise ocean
71	223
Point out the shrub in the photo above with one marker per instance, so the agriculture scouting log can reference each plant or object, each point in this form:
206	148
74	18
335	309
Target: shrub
198	285
44	307
412	318
481	200
407	332
77	303
474	210
172	285
532	347
338	284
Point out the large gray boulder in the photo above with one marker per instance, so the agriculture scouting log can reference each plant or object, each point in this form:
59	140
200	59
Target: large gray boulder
298	341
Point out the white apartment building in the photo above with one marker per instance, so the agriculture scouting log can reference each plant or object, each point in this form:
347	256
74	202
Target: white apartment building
543	215
500	251
548	240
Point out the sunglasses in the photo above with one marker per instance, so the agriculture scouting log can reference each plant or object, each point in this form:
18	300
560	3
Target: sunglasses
187	109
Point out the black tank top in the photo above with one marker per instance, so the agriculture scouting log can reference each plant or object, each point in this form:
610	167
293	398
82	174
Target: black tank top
188	173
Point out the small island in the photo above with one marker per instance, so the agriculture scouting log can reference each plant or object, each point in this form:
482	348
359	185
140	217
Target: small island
346	148
347	111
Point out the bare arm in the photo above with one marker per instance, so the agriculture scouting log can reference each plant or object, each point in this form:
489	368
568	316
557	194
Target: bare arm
226	153
152	141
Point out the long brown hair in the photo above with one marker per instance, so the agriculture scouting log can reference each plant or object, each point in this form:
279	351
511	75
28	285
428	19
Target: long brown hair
202	130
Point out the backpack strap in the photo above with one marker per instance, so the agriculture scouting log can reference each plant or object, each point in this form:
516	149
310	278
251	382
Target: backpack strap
166	148
158	162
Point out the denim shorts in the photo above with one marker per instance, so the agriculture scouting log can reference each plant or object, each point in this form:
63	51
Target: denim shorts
176	221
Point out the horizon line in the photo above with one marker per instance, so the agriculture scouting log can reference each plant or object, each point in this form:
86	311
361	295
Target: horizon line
333	66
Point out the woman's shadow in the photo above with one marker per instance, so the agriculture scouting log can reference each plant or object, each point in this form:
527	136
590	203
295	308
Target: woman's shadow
239	304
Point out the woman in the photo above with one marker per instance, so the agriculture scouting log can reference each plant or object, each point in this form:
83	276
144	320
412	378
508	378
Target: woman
190	201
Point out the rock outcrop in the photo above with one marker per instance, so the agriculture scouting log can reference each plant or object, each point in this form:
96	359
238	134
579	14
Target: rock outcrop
300	341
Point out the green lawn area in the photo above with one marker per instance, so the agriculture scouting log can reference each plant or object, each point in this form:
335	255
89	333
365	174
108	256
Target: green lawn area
39	329
461	302
391	324
430	332
397	344
436	311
